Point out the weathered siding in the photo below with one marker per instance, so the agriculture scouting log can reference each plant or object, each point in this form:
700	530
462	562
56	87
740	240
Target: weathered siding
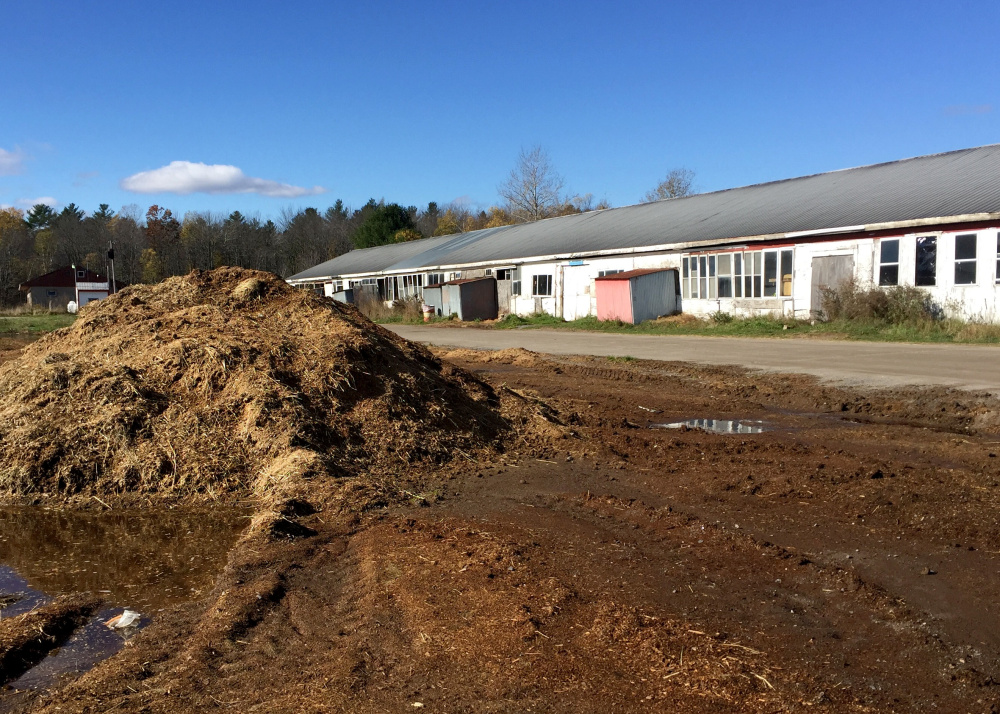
42	297
653	295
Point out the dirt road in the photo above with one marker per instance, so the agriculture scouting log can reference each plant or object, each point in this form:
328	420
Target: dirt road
871	363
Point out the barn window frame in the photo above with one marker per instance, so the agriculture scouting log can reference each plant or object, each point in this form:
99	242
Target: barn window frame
965	266
888	262
541	285
738	274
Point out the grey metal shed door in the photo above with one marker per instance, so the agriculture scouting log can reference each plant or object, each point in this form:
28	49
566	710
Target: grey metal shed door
828	271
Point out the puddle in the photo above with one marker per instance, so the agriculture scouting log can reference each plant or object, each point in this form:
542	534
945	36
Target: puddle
142	560
90	644
16	595
718	426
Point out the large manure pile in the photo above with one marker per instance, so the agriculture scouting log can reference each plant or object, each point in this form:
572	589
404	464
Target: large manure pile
228	383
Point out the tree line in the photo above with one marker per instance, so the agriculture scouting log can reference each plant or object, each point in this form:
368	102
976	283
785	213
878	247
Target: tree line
156	244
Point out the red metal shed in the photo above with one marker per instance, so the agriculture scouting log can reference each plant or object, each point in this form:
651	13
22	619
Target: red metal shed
637	295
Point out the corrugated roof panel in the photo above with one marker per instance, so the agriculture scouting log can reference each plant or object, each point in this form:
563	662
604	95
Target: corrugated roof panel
940	185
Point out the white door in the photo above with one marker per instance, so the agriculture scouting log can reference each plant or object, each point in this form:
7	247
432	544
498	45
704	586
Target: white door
576	295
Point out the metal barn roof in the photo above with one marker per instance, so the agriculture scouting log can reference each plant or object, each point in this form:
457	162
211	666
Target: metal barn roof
944	185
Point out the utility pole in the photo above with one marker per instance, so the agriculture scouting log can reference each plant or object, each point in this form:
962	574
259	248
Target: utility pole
111	267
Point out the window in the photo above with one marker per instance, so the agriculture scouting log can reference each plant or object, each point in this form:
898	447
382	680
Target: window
435	278
750	274
410	285
888	265
926	273
311	287
604	273
753	267
724	264
695	276
51	293
965	259
515	285
770	274
998	258
541	285
504	273
786	273
456	276
712	294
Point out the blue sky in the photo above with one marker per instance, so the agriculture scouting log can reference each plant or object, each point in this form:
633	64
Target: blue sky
297	104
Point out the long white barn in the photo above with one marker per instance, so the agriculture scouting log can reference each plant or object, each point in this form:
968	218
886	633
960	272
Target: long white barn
931	221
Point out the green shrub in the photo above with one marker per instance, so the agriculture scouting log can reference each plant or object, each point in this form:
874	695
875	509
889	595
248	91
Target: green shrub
540	319
896	305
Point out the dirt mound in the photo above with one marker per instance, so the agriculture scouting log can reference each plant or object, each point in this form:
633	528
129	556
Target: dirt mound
513	355
228	383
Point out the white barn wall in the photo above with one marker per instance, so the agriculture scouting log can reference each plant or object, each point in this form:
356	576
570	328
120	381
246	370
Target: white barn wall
574	294
977	302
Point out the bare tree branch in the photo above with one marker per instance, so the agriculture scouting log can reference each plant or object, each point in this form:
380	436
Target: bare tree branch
679	182
532	191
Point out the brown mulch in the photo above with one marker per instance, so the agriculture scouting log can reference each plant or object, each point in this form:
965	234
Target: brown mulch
230	383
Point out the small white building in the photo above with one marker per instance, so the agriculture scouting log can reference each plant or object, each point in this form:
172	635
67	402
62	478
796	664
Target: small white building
931	221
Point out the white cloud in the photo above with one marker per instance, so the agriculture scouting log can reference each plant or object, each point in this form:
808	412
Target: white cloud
188	177
11	162
32	202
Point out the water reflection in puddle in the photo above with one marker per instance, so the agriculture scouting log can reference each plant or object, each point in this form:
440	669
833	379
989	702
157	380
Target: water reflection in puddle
143	560
718	426
16	596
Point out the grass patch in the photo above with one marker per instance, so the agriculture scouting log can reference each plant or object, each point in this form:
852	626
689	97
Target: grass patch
726	325
41	322
511	321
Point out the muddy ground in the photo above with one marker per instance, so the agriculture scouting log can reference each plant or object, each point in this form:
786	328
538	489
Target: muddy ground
845	560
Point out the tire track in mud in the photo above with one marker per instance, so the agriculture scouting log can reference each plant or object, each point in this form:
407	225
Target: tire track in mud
808	614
